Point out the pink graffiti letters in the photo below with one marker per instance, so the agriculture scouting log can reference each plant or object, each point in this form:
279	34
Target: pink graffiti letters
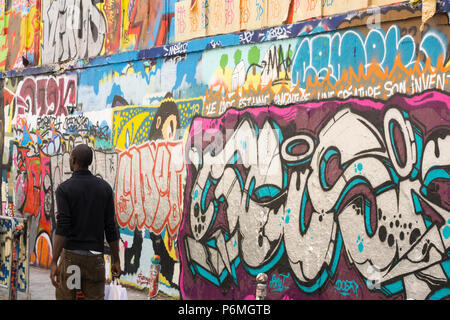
47	95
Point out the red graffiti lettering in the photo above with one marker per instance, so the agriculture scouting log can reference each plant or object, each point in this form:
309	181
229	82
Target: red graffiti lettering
46	95
142	280
149	187
33	188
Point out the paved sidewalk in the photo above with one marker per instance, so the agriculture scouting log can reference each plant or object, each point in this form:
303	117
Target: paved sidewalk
41	288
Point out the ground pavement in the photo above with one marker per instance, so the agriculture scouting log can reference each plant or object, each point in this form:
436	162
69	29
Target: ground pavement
41	288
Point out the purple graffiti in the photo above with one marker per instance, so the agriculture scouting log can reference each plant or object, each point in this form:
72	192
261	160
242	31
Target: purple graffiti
341	189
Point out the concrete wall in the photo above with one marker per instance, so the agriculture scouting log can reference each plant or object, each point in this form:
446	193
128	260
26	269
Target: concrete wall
315	152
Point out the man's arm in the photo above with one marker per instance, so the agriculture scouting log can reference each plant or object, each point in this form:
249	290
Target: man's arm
115	266
61	233
58	244
112	235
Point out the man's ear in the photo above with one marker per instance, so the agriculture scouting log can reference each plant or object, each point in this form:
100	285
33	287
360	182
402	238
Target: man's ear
158	122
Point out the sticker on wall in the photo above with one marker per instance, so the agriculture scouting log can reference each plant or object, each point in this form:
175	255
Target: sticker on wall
191	21
216	17
223	16
253	14
232	15
306	9
332	7
277	12
181	21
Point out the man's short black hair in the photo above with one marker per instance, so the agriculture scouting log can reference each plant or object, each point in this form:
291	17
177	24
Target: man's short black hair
82	155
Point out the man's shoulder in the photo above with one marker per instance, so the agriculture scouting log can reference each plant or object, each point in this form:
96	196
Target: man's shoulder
63	185
102	182
93	179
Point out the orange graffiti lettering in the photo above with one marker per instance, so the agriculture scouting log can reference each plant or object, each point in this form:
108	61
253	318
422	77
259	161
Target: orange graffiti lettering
149	186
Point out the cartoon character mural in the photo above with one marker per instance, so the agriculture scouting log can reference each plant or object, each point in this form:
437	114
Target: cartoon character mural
149	185
165	126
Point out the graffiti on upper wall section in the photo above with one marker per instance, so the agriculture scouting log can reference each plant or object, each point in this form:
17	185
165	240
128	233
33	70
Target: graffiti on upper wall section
250	15
318	67
20	34
40	32
283	189
71	30
74	31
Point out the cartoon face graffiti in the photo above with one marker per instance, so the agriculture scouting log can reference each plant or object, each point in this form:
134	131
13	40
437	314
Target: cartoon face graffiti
168	128
166	121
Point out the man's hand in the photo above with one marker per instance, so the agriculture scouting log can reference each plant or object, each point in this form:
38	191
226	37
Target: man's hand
115	270
55	276
115	266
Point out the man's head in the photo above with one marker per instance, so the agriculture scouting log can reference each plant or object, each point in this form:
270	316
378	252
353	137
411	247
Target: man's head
81	157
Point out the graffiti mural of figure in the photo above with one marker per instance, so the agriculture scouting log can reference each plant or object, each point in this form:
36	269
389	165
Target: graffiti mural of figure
133	254
166	121
165	126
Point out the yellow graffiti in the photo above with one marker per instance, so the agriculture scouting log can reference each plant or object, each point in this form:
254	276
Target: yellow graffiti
127	40
224	77
170	247
128	127
129	131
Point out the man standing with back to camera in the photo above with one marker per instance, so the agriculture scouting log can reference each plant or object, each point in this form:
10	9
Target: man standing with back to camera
85	217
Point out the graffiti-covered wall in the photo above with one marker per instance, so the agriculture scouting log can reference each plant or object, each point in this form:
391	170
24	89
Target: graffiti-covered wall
47	32
41	32
315	152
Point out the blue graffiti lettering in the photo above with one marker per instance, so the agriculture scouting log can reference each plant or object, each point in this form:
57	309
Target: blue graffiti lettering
333	53
278	283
